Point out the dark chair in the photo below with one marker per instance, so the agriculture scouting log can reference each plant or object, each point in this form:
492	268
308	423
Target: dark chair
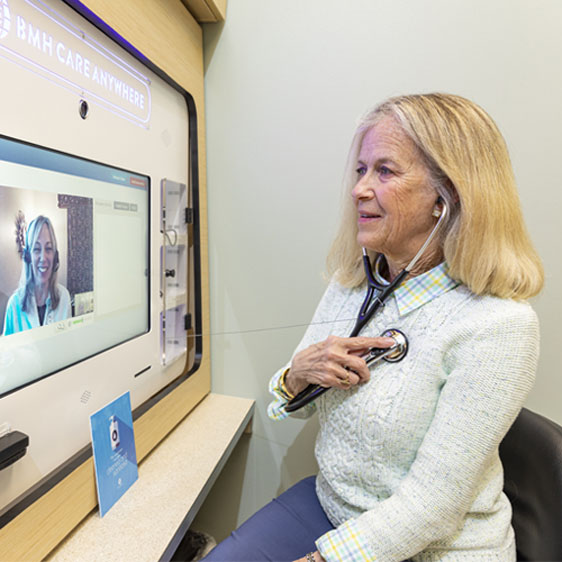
531	453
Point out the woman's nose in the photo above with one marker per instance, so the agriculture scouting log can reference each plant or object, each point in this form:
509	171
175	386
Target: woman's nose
363	189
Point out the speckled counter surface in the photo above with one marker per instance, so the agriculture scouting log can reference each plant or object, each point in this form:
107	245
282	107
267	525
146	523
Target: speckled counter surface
148	521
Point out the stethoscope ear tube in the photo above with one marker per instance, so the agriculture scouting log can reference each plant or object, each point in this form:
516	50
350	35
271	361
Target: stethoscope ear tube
368	310
370	305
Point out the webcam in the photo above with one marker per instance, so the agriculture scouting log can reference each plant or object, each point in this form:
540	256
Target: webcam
84	108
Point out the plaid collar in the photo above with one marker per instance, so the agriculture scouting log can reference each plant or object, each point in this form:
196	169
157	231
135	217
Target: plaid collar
420	290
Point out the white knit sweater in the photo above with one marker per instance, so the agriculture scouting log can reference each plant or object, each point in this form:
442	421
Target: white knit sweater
412	456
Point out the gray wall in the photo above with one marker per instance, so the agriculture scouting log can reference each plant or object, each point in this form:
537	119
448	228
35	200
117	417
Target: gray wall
285	84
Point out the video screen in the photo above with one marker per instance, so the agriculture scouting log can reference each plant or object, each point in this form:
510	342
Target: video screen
74	254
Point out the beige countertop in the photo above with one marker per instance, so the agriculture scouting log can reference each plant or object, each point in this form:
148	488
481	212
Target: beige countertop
148	522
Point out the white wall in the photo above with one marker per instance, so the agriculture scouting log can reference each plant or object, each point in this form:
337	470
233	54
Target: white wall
285	84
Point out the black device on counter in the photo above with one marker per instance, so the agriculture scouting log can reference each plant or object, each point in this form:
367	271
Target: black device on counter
13	447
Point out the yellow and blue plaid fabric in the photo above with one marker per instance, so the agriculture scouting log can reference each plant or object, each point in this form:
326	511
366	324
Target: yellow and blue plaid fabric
343	543
417	291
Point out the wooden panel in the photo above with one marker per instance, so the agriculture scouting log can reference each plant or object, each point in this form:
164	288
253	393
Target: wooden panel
200	11
151	428
21	539
168	35
207	11
164	31
221	7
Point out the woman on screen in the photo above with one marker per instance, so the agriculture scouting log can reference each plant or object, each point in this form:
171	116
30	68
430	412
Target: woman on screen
39	300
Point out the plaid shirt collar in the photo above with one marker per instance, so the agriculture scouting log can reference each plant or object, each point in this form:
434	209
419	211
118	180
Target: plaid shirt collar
420	290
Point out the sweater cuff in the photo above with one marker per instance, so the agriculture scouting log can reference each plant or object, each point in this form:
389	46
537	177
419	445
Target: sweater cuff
344	543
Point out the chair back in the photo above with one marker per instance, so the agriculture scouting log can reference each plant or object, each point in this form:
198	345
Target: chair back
531	454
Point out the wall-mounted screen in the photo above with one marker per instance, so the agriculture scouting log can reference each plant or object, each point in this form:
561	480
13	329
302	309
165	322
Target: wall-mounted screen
75	268
98	294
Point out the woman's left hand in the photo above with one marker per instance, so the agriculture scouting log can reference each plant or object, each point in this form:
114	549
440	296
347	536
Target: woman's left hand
317	558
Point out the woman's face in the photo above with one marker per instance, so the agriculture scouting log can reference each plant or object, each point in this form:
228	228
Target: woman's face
42	256
392	195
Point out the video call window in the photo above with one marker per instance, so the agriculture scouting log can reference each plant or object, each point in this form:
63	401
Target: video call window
74	250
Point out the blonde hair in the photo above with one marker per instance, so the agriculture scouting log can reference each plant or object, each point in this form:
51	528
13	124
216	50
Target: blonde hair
484	239
27	280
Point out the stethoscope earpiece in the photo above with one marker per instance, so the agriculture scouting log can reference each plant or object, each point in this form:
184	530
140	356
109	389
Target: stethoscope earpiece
437	212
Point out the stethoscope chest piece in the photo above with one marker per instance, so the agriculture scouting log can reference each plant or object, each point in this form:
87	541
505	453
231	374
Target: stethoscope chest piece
401	345
378	290
392	354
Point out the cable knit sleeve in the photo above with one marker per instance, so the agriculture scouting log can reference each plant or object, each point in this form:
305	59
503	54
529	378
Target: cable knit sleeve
488	364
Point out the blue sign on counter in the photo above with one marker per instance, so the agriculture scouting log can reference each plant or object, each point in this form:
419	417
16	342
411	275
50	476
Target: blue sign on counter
115	456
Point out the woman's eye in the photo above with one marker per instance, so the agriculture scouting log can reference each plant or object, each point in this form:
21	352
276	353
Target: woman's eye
47	250
384	171
361	171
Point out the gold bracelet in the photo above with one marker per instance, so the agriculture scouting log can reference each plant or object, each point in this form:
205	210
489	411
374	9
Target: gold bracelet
283	386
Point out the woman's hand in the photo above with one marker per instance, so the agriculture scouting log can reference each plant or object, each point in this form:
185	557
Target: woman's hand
335	362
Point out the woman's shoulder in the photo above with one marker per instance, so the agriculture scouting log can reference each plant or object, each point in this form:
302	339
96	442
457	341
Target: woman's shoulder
499	307
14	299
335	290
471	311
335	300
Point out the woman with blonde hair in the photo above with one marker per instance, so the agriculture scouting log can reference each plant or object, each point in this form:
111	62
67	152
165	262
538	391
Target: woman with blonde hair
484	241
40	299
408	452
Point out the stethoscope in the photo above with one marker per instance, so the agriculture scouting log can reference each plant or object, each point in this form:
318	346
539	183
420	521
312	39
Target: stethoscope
378	291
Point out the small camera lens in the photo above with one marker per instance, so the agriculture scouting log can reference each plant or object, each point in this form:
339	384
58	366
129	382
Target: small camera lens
84	109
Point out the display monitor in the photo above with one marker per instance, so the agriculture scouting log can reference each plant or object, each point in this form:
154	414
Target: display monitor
75	262
99	246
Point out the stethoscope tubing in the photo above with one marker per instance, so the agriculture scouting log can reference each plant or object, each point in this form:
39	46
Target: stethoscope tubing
368	310
371	304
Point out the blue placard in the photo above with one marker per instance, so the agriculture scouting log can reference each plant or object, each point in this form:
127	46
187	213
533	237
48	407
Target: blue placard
115	456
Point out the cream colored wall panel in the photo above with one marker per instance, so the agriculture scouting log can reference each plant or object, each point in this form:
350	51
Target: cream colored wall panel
285	84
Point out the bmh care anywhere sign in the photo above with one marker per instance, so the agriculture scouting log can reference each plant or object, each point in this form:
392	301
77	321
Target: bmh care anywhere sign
36	37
